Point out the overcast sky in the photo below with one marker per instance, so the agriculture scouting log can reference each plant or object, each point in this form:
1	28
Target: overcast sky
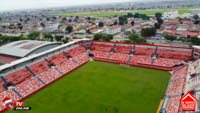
29	4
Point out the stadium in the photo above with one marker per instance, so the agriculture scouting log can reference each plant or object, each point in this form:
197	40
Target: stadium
103	77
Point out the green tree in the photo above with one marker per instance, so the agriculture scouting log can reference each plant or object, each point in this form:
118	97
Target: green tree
34	35
157	25
98	36
101	24
59	37
49	37
107	37
147	32
196	17
47	19
196	21
42	24
88	18
160	21
158	15
170	37
194	40
64	19
132	23
130	14
136	15
115	23
123	20
133	38
65	40
103	37
88	31
69	29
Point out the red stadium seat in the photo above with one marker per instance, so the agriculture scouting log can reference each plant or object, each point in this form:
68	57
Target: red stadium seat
101	47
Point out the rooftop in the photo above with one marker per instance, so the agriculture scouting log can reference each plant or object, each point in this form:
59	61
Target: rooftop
23	48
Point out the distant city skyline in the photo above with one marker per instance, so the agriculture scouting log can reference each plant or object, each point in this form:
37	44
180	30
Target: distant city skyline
8	5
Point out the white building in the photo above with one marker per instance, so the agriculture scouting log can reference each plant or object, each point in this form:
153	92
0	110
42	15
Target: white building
195	12
51	27
186	15
113	30
171	14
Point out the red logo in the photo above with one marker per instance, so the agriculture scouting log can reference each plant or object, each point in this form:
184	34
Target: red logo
8	103
188	102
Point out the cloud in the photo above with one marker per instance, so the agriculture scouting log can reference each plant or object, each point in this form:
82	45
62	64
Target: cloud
29	4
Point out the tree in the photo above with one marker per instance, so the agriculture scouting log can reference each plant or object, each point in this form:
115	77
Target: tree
42	24
194	40
157	25
88	18
123	20
158	15
54	18
88	31
101	24
196	17
132	23
160	21
59	37
121	23
170	37
103	37
64	19
133	38
6	39
19	25
115	23
47	19
107	37
69	29
14	38
136	15
130	14
48	36
196	21
65	40
98	36
143	16
20	19
147	32
34	35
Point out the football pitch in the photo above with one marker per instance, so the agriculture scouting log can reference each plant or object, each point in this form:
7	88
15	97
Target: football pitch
99	87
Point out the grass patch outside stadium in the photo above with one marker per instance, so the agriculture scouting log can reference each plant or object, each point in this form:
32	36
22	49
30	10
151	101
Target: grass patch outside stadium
109	14
99	87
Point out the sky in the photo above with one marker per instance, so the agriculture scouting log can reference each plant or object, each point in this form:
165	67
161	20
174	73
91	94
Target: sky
7	5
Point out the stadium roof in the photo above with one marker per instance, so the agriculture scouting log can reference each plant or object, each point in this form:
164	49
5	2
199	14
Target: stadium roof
25	47
36	55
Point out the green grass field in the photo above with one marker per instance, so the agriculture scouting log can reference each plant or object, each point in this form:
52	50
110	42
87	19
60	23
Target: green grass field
99	87
109	14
